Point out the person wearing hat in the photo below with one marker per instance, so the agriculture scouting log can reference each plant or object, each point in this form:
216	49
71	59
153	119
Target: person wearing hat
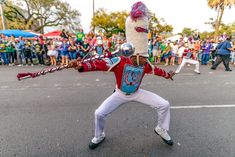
129	72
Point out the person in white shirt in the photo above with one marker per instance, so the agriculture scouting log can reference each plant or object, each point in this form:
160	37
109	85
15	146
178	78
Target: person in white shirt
233	53
174	49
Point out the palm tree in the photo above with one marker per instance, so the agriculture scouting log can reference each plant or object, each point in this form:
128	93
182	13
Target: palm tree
219	6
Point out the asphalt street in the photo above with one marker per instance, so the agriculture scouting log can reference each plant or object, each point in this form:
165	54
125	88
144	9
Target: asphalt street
53	115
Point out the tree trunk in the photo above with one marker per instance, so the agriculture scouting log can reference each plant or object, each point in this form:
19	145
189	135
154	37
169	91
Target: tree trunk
219	19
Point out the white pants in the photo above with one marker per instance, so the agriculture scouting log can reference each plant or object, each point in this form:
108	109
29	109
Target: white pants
142	96
190	61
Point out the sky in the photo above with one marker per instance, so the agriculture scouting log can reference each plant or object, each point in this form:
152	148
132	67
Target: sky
178	13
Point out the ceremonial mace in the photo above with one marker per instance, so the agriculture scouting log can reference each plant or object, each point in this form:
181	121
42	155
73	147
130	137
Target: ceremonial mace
22	76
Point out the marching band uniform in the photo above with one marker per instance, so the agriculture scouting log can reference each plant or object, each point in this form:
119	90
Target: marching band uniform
188	58
128	79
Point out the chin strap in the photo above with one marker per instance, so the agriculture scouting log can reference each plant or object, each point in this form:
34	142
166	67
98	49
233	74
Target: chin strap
138	59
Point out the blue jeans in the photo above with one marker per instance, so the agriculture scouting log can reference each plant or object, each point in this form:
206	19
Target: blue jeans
205	59
73	55
40	58
233	57
5	58
20	56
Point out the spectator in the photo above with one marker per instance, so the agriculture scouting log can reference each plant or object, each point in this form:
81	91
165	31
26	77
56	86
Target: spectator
72	50
52	53
233	54
10	50
156	50
80	37
196	36
85	48
19	52
206	52
64	35
175	49
39	52
117	46
181	42
223	54
99	48
28	52
64	52
213	50
167	53
3	51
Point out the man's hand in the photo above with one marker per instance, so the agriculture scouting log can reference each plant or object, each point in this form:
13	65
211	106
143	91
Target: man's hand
170	75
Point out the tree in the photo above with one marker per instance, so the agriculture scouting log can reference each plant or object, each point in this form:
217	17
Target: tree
37	14
114	22
110	23
219	6
206	35
157	26
187	31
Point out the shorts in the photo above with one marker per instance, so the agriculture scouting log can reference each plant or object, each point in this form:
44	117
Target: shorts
64	53
180	54
167	55
52	53
173	54
156	52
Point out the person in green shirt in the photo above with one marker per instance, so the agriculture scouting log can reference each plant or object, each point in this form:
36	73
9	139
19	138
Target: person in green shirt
80	37
10	50
3	52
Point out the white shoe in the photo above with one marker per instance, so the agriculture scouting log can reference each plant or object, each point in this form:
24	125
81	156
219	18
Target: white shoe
164	135
197	71
19	65
95	142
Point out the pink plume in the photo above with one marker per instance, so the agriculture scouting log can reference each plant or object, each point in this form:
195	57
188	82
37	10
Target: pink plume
138	10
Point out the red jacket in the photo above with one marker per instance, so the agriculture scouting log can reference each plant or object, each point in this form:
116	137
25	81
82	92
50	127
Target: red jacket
188	54
126	73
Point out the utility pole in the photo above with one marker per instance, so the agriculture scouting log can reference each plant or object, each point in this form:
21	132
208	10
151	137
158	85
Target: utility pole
93	8
2	14
93	3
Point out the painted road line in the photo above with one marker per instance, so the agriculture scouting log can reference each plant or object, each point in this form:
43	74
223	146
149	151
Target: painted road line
203	106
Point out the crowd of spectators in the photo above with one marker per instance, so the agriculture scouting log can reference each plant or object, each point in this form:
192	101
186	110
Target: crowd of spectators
171	52
54	51
60	51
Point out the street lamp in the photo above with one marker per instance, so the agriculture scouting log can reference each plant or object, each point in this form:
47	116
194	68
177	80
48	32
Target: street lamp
2	15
